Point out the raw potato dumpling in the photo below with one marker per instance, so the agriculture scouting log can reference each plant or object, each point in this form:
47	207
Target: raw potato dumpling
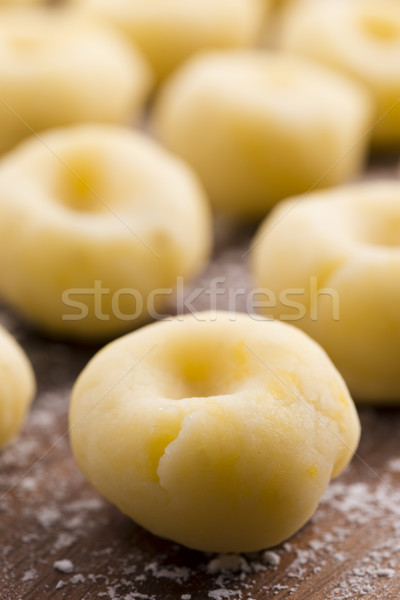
17	386
218	433
360	38
57	70
96	224
332	263
169	31
258	126
21	3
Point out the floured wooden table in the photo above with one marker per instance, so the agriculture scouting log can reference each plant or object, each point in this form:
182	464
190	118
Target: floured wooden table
59	539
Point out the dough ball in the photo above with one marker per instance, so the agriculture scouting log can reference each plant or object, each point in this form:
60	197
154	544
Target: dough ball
218	433
360	38
258	126
97	222
330	263
17	386
169	31
58	70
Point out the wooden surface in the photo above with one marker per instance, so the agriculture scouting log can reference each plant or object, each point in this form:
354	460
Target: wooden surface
48	513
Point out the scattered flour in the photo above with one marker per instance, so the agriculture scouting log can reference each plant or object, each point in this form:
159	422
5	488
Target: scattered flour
178	574
64	566
29	575
64	540
223	593
271	558
227	563
394	465
47	516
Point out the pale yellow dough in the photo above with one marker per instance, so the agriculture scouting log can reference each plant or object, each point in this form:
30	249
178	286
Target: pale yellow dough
21	3
360	38
218	433
169	31
94	219
258	126
58	70
337	254
17	386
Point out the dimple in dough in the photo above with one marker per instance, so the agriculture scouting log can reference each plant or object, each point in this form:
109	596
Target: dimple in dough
216	433
17	386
